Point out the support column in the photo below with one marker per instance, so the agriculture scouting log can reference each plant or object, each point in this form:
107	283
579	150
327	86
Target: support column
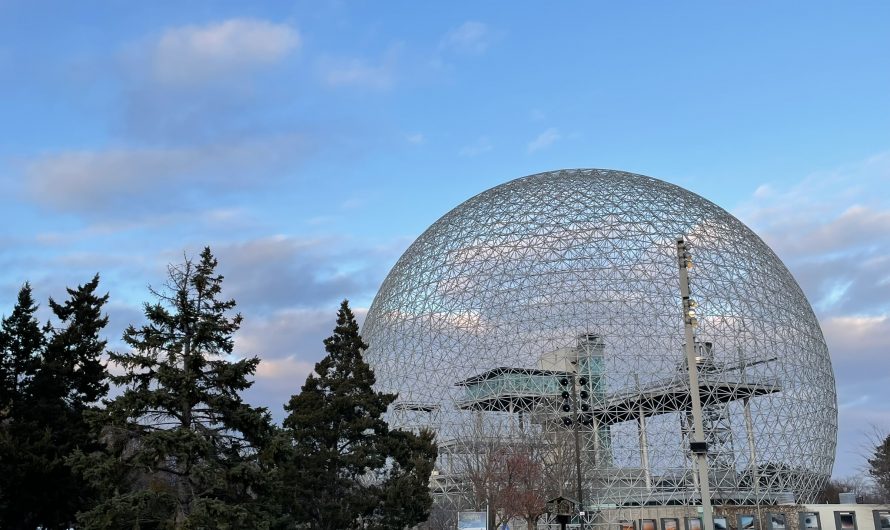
688	427
699	446
752	450
597	444
576	423
644	448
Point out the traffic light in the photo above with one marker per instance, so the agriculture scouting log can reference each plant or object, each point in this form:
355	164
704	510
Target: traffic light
585	408
566	396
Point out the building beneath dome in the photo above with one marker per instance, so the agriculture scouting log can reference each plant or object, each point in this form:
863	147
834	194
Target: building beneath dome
547	312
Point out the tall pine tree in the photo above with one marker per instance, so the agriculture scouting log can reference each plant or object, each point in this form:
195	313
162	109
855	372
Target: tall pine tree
64	377
879	467
69	381
21	345
72	370
347	469
181	445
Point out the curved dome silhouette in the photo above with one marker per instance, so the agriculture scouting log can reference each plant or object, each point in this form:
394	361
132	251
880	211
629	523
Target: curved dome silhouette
576	272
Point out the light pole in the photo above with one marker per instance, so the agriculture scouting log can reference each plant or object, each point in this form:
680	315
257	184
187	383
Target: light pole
577	428
698	446
570	398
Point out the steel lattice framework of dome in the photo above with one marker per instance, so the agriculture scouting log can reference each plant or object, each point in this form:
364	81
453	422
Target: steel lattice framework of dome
574	273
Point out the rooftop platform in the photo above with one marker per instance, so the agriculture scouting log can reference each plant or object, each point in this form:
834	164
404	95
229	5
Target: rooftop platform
672	395
505	389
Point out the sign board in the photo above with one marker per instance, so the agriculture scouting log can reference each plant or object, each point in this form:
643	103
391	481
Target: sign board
472	521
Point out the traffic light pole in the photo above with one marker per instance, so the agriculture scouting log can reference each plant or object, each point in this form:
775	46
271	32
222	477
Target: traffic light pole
577	427
698	446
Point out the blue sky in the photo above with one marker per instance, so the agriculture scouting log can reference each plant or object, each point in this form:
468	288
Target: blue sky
310	142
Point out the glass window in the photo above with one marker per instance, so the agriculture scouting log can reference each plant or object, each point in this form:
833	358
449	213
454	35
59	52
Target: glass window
746	522
845	520
647	524
882	519
670	524
720	523
777	521
810	521
693	523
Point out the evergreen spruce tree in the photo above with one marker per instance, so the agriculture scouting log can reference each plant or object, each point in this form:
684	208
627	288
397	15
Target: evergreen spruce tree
181	445
72	370
879	467
69	380
21	344
347	469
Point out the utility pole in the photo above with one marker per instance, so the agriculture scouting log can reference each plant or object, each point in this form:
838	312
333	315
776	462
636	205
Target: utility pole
577	426
698	446
571	408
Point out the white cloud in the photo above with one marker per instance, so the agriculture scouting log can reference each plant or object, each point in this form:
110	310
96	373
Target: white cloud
832	230
272	273
837	213
286	334
288	368
138	179
860	336
190	54
288	344
204	82
471	37
214	220
359	72
415	138
544	140
855	402
480	146
763	191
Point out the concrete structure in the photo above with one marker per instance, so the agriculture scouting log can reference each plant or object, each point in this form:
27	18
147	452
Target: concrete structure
746	517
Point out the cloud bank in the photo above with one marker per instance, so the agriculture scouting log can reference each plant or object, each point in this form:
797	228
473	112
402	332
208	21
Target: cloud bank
128	180
196	54
833	233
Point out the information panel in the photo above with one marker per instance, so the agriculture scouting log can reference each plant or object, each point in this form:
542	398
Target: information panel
472	521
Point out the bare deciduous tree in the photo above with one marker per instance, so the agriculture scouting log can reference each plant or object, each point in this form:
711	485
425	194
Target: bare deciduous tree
514	472
865	492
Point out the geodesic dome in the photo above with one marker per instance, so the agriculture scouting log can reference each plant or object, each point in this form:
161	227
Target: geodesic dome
573	275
